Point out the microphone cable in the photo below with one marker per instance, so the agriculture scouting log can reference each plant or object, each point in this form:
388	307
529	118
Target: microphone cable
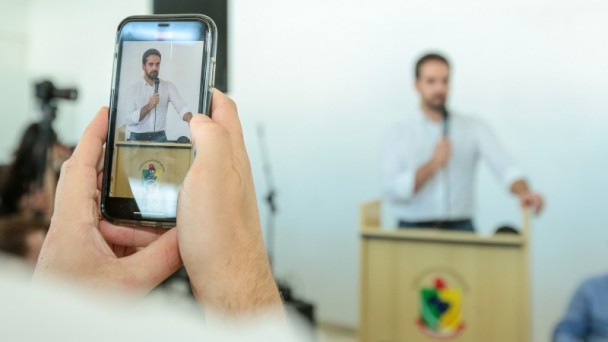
156	82
446	169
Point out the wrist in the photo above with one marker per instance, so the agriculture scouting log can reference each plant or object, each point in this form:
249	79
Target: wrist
240	292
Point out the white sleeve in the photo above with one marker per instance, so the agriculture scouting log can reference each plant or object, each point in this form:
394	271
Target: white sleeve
499	161
130	108
398	173
176	100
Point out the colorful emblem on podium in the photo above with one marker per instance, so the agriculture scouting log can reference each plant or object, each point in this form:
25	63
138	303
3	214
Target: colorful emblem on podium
441	310
150	176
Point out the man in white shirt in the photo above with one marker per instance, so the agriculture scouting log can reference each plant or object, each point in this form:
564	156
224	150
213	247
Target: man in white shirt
429	161
148	101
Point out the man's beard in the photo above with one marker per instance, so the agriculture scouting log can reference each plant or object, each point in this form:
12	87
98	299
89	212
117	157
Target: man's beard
153	75
438	105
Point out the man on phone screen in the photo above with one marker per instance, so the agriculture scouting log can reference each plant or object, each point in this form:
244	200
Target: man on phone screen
148	101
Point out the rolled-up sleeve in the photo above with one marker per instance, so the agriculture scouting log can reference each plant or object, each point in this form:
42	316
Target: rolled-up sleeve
497	158
130	108
177	102
398	174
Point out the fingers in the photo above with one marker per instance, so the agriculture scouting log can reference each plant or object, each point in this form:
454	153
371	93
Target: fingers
90	148
78	182
222	136
539	205
212	144
533	201
225	113
155	263
100	161
129	236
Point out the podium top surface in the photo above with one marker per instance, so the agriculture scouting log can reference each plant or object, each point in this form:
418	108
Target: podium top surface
442	236
152	144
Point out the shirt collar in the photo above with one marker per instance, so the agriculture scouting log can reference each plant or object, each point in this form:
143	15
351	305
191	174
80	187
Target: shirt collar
423	119
143	80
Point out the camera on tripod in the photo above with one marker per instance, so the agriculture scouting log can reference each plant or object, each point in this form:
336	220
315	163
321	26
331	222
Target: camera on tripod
47	92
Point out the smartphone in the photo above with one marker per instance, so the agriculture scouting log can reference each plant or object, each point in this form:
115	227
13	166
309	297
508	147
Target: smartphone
164	70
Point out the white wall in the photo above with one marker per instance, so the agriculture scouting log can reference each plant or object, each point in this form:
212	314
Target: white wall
326	77
72	43
14	88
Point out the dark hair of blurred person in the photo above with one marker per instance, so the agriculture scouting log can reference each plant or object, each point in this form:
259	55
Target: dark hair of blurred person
429	57
19	191
22	238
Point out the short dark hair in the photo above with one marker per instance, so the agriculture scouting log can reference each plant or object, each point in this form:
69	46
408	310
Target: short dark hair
148	53
428	58
14	230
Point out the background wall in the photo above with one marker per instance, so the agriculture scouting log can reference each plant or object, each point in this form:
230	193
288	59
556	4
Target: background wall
14	88
325	78
72	43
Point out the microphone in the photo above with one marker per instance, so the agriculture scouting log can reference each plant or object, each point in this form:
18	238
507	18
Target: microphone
445	116
156	81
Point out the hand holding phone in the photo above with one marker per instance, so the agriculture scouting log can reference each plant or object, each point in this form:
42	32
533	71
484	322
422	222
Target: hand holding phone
93	252
218	235
218	226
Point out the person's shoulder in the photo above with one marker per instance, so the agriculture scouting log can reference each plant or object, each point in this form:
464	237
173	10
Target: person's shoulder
408	121
466	119
167	83
401	126
471	123
595	282
135	85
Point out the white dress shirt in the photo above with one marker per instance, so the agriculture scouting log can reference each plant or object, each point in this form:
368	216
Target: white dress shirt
448	194
139	95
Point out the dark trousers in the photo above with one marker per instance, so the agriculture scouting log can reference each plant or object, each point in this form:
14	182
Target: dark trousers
457	225
159	136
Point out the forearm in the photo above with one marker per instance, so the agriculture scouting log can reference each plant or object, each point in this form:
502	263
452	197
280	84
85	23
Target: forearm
250	291
424	174
145	110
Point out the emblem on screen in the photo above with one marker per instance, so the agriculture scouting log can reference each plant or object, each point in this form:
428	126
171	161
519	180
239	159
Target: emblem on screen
151	178
153	191
440	310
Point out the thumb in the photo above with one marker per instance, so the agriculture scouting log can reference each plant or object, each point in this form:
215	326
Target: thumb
211	142
155	263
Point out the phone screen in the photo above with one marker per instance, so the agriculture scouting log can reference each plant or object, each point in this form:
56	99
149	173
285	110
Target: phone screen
162	77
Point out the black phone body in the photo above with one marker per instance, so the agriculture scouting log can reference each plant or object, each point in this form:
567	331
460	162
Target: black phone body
163	74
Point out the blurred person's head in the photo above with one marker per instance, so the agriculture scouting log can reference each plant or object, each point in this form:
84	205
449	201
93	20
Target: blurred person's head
22	238
20	177
151	63
432	80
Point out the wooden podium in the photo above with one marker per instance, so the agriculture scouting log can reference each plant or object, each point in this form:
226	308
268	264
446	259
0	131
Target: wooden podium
170	160
409	276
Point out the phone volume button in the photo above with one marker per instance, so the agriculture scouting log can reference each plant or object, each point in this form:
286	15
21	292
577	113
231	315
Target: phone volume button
212	76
